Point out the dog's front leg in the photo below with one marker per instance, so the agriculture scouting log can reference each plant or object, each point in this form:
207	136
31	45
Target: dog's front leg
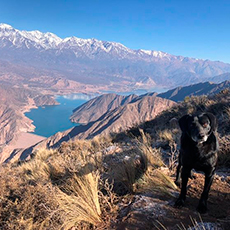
202	207
184	175
178	172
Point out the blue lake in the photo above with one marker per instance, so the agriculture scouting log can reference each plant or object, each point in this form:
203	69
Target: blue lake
49	120
52	119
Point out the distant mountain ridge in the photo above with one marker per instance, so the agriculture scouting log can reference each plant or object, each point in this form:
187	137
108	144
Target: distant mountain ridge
99	63
206	88
96	107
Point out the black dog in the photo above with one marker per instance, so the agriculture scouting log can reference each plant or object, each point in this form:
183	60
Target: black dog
199	146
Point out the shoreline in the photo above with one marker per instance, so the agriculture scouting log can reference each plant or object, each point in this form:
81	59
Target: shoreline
23	141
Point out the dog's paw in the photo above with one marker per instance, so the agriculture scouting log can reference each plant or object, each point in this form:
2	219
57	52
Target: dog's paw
193	177
179	203
202	207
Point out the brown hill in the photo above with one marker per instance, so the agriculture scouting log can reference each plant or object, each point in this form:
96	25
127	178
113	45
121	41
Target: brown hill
204	88
96	107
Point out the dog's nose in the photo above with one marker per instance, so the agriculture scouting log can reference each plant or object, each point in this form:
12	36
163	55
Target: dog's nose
201	136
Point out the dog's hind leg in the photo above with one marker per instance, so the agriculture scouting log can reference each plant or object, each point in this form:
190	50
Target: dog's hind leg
184	175
202	207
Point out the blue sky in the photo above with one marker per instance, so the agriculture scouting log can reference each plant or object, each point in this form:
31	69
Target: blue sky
198	28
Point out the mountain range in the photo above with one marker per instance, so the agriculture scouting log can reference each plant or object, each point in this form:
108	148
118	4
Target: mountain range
93	109
46	61
34	66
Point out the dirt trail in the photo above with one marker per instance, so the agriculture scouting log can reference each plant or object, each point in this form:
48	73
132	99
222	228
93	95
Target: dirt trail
145	209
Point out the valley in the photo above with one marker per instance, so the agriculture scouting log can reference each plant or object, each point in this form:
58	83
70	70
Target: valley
127	177
36	66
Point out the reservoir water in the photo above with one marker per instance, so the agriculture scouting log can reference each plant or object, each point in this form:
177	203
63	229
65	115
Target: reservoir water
49	120
52	119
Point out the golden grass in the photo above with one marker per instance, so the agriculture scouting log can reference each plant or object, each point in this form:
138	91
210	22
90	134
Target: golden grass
154	180
37	168
165	135
26	206
78	200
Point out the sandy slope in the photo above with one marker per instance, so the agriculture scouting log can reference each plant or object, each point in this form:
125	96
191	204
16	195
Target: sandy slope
23	141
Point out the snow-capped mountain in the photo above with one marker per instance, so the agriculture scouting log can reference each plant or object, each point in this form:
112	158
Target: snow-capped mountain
51	41
27	39
98	62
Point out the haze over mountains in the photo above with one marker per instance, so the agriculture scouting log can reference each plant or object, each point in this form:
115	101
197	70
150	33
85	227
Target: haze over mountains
44	60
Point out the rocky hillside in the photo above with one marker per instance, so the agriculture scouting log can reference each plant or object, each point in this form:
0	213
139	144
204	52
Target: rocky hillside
138	110
14	101
102	64
206	88
96	107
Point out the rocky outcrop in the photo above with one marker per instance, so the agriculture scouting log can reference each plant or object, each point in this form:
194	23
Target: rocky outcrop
44	100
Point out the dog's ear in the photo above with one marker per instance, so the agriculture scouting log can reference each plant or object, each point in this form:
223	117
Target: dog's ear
213	122
183	123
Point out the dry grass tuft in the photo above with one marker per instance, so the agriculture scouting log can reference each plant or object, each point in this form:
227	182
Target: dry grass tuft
37	168
26	206
165	135
79	201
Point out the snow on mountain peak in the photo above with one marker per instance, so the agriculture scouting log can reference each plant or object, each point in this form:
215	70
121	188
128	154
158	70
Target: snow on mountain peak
6	30
90	47
29	38
158	54
46	40
5	26
51	41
